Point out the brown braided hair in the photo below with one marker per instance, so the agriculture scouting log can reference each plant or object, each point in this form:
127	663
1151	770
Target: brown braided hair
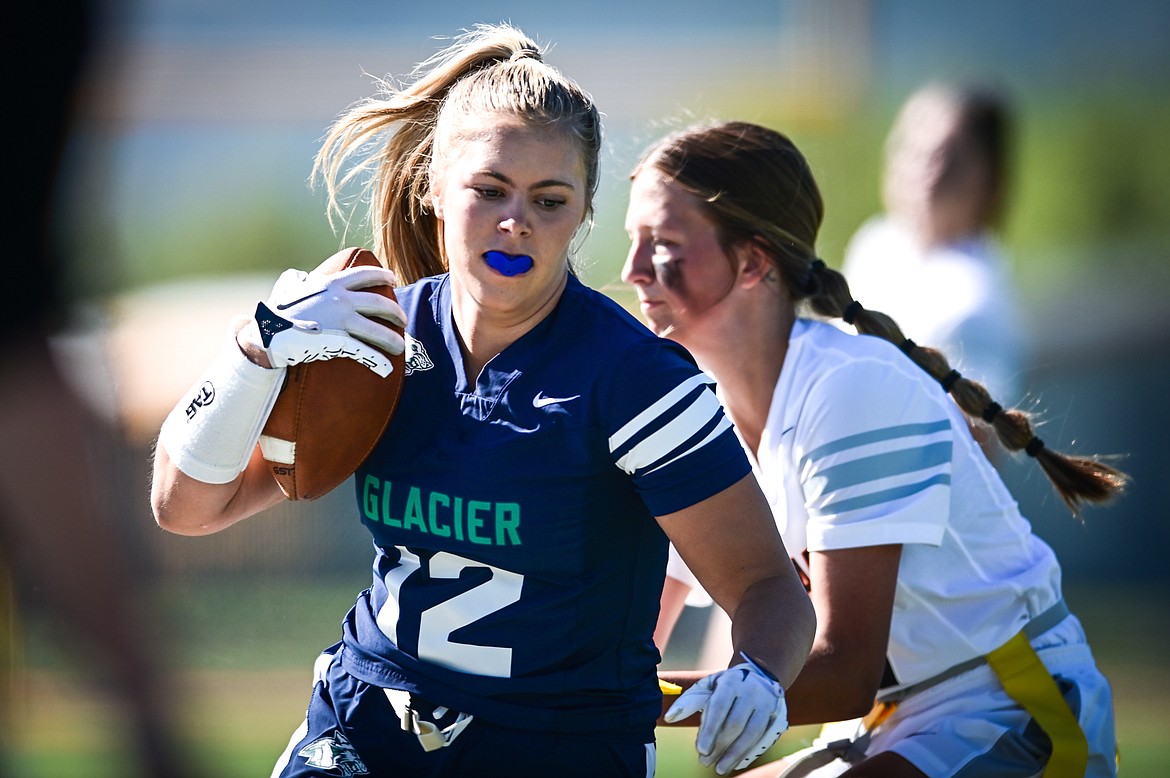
757	186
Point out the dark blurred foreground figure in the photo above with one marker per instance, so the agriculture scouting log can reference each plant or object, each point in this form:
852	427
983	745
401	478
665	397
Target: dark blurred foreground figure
59	544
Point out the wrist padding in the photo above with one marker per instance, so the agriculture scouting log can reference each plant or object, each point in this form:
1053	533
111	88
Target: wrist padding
211	433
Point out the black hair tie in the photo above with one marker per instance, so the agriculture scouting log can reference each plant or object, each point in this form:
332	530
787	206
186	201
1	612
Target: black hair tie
527	52
809	282
1033	448
991	411
851	311
907	346
949	380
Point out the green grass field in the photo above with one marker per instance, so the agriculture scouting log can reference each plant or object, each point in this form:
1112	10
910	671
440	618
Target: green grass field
244	682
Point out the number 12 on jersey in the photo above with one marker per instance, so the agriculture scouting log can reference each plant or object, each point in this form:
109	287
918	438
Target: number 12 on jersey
438	622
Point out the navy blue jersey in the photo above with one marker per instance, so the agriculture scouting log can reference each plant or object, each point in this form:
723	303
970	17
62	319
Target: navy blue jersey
518	563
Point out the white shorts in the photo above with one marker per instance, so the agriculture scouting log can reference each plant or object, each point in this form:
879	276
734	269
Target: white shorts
968	726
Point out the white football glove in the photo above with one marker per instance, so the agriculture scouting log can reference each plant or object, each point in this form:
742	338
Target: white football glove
310	317
743	714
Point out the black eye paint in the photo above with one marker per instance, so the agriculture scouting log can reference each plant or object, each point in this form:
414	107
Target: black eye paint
670	275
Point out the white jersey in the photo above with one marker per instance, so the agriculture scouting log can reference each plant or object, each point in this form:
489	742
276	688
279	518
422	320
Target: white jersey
863	448
957	298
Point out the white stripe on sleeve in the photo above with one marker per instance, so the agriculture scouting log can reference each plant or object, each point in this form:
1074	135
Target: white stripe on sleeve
662	445
635	425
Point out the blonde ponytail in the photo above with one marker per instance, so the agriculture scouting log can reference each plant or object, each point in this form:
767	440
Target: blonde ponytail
395	140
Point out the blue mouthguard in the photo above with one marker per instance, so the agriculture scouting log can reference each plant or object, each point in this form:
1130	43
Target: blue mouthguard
508	264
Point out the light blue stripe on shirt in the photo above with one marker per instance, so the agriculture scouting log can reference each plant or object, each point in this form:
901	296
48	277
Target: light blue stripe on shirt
875	436
886	465
876	498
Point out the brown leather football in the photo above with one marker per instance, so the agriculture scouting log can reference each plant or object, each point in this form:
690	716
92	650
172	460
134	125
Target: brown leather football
329	414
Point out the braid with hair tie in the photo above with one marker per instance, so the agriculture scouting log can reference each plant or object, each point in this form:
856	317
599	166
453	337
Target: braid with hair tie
851	311
809	282
949	380
991	411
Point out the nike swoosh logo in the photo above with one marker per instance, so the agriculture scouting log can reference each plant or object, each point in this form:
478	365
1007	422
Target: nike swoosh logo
286	306
540	401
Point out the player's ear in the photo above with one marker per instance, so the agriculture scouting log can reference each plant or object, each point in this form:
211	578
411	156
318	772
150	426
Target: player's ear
753	261
434	194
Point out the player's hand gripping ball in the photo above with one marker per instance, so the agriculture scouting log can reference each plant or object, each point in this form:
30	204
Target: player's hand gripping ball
744	713
339	331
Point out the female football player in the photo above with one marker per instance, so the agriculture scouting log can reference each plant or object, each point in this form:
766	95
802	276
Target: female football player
934	259
545	447
932	594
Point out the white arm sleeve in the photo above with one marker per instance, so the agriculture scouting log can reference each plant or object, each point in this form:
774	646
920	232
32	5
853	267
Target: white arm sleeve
211	433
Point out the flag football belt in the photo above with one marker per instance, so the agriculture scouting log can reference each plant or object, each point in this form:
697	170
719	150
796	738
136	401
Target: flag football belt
1023	676
426	720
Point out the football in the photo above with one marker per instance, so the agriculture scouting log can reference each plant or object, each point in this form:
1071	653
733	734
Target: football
329	414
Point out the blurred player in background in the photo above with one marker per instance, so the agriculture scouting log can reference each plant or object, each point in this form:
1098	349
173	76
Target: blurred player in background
933	260
545	447
929	585
59	540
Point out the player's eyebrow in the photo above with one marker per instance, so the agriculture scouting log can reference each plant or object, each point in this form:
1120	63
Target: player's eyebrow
547	182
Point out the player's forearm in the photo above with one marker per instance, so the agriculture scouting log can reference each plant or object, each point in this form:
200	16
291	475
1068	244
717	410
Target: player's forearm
835	684
186	506
671	604
208	473
774	625
853	593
